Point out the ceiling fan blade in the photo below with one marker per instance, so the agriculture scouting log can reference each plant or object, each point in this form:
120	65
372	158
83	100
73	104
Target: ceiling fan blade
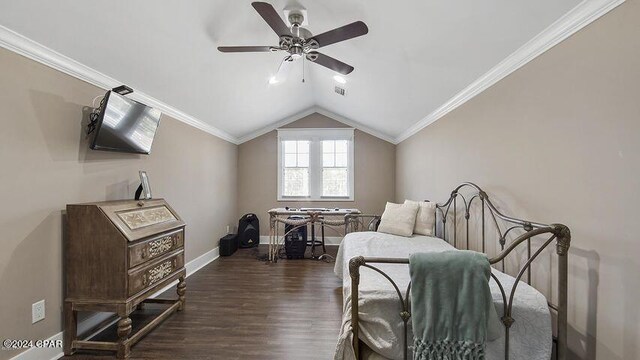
329	62
343	33
270	15
246	48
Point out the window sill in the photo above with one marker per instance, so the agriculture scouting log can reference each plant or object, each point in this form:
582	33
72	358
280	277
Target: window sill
323	199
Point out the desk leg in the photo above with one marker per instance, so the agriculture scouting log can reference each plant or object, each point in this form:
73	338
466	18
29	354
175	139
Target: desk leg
181	290
70	327
275	247
313	241
324	249
271	234
124	330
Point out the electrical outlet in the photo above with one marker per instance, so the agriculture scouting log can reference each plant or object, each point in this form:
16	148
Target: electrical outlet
37	311
228	230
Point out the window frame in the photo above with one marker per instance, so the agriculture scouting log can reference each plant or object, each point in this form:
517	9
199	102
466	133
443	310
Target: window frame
315	137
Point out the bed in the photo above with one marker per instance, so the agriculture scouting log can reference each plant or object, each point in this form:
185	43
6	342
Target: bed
374	270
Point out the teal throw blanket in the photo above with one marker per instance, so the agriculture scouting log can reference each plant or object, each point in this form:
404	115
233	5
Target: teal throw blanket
451	305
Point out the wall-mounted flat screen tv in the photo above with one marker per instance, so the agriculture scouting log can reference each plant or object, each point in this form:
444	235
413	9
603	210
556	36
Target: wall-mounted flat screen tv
125	125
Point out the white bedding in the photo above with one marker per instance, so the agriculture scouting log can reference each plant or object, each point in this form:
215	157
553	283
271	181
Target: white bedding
380	324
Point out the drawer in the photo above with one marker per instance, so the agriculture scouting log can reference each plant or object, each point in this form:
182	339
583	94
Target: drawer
155	248
153	273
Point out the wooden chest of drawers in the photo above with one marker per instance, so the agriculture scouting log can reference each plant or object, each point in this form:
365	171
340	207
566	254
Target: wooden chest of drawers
117	254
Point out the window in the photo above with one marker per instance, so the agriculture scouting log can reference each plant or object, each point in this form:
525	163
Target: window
296	168
335	172
315	164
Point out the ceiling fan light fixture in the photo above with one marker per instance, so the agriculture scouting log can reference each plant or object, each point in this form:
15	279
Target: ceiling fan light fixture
296	51
339	79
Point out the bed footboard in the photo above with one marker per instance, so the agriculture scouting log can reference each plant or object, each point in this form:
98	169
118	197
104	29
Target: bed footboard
555	233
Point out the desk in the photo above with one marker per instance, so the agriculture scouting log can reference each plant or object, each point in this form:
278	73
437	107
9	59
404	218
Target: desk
117	255
322	216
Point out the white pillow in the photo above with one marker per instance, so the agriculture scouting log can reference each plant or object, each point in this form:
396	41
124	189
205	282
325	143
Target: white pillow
398	219
426	217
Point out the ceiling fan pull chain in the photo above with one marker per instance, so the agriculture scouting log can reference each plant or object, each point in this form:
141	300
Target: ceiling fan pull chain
303	62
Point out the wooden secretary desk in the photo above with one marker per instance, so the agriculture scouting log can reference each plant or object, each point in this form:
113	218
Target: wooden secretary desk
117	254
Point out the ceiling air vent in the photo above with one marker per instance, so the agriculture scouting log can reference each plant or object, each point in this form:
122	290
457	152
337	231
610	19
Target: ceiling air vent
340	91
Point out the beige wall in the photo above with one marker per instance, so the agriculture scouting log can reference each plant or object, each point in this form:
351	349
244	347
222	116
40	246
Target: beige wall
559	141
45	164
257	173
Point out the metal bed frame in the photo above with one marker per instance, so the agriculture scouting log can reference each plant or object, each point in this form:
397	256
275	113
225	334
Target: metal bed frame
558	232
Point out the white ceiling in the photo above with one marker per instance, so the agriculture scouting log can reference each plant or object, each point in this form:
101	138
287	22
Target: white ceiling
418	54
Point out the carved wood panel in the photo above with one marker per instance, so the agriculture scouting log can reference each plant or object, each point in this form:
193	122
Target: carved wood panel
151	249
153	273
139	218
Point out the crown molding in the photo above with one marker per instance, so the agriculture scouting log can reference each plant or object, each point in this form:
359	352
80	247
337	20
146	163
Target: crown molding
33	50
580	16
322	111
355	124
286	121
577	18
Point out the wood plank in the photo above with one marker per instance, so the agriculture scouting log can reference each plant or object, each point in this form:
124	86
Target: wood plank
102	345
159	301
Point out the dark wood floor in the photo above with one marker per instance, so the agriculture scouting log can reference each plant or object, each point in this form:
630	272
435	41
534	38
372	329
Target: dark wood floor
242	308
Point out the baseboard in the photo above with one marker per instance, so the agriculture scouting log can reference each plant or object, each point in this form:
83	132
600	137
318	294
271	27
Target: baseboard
192	267
328	240
99	318
198	263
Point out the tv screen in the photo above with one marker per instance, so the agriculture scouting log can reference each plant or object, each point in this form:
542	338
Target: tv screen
125	125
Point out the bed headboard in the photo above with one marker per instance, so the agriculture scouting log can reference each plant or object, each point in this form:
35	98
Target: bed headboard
470	208
468	219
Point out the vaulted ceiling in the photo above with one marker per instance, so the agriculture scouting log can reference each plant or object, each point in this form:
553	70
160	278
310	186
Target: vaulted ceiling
417	55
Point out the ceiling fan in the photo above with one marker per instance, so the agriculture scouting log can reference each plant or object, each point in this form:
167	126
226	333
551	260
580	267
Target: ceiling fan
299	42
